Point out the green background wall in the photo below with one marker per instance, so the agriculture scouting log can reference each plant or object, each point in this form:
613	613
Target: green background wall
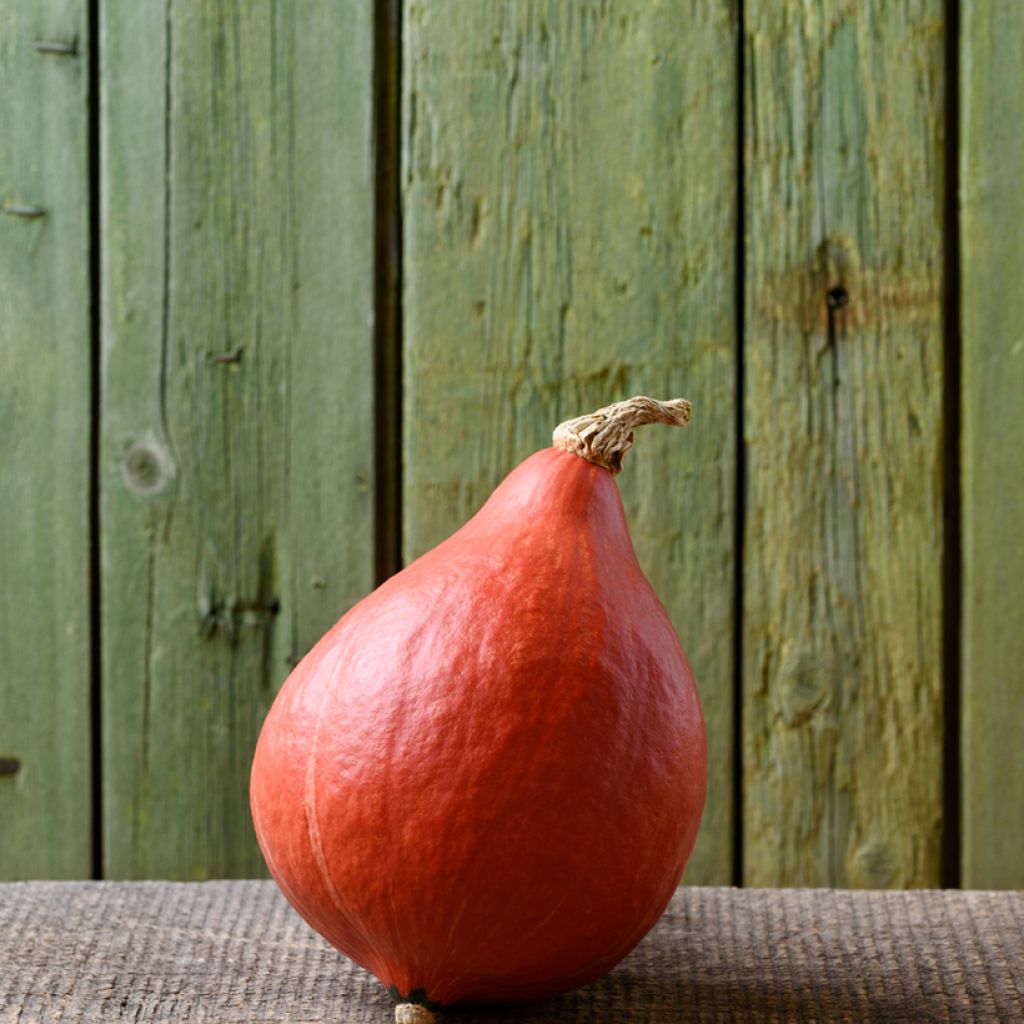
286	289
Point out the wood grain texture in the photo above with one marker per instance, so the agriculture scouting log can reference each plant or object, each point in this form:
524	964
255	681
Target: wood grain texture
842	690
234	953
237	433
569	201
45	809
992	324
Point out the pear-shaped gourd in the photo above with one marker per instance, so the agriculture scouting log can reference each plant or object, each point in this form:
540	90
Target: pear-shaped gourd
483	784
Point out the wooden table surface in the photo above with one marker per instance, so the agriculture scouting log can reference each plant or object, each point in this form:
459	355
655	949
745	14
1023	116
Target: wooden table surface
235	953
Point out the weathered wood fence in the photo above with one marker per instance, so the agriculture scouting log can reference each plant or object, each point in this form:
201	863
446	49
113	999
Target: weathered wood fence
286	288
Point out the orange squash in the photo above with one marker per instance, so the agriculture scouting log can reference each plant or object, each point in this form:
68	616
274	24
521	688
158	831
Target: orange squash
483	784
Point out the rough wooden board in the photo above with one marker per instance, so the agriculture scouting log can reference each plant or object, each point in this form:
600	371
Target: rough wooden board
569	200
45	819
842	690
233	953
992	262
236	496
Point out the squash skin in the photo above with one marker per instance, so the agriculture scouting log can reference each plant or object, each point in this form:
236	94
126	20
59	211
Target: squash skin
484	782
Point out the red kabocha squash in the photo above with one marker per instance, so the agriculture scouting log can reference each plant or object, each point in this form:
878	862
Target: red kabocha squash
483	784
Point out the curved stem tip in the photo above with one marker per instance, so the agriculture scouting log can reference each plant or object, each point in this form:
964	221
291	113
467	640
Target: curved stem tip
604	437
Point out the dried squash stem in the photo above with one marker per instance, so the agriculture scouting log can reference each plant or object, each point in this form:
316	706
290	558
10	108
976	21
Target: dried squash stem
604	437
413	1013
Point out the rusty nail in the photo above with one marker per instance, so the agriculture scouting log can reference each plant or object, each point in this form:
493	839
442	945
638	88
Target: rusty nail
226	357
55	48
28	212
9	766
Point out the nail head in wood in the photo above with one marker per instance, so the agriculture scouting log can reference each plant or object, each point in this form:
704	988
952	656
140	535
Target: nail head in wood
235	356
9	766
28	212
56	48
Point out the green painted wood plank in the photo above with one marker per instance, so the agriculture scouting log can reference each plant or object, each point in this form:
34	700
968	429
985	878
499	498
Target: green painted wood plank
992	323
45	805
842	675
569	201
236	495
